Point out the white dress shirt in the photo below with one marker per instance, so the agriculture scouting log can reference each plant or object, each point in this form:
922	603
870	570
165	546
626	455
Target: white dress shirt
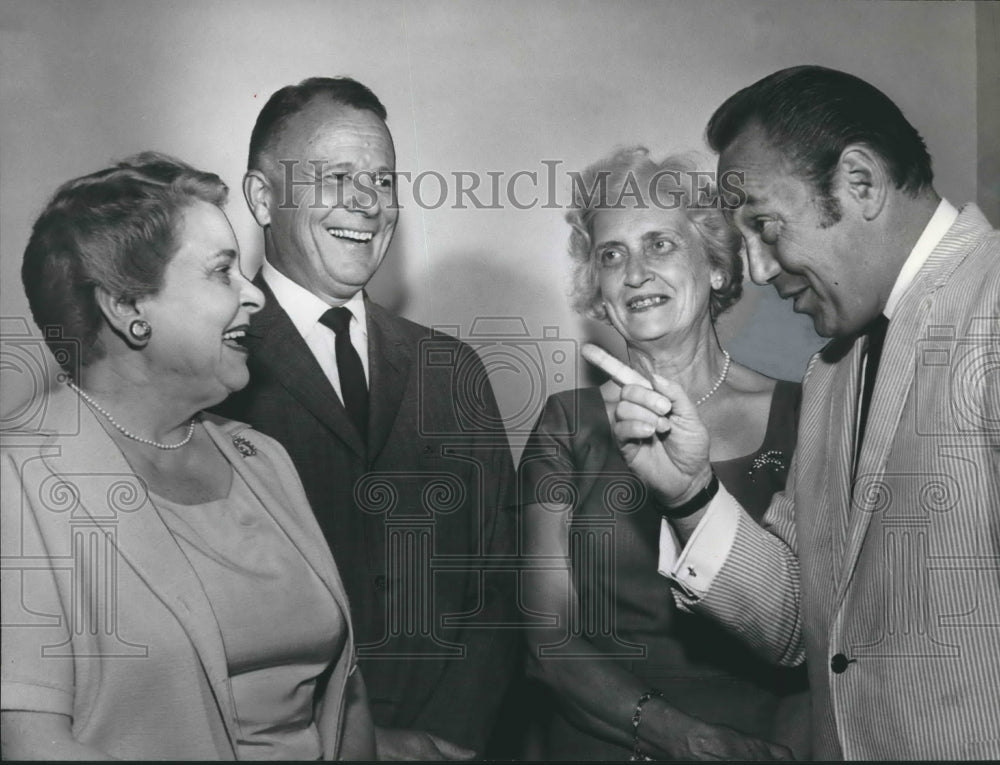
695	567
305	310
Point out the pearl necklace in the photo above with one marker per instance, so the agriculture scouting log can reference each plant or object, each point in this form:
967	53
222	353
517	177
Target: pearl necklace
127	433
725	371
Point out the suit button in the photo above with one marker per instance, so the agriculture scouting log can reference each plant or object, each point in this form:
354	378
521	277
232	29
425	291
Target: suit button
839	663
380	583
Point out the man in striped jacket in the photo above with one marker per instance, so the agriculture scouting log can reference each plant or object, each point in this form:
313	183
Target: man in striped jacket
879	564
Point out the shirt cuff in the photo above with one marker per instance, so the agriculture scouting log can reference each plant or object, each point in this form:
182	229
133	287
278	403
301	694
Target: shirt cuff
696	566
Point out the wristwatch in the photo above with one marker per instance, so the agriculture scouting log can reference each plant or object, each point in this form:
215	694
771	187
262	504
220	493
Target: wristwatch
696	503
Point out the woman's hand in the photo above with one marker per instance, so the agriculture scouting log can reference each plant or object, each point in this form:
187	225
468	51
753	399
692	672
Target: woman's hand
678	736
357	741
42	736
659	433
718	742
416	745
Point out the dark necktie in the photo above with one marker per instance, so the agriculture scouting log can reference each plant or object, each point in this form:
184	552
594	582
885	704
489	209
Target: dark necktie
353	387
876	338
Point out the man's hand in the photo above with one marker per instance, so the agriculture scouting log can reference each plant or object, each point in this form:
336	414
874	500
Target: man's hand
659	433
413	745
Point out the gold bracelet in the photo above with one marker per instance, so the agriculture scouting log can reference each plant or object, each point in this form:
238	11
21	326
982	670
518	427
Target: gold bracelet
637	753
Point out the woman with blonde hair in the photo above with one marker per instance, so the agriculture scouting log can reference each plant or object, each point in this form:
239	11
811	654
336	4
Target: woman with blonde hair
632	674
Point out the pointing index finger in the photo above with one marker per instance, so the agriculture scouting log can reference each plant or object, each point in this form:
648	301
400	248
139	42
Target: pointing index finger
619	372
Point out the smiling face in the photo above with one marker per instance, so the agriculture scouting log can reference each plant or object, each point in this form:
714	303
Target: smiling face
653	273
200	315
828	269
329	212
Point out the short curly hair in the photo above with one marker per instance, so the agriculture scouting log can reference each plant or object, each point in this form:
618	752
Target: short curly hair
614	179
116	229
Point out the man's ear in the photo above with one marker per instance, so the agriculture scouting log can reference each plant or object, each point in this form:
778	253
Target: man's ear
257	191
119	312
864	179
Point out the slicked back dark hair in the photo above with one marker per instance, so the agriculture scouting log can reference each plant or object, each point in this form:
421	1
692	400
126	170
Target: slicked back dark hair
292	99
116	229
811	113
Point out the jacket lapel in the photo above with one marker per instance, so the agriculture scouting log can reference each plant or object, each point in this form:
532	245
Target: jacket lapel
277	348
117	501
309	542
305	535
895	378
389	360
840	447
897	374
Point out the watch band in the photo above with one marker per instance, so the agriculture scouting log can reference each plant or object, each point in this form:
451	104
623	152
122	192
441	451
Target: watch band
696	503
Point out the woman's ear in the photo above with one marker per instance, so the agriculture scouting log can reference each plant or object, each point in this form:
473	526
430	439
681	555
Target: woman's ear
125	316
118	311
864	179
257	191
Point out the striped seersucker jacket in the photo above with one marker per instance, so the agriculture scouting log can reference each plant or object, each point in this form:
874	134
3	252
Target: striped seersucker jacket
888	583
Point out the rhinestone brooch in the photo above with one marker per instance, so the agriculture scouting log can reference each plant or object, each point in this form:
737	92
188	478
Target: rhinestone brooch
244	447
773	457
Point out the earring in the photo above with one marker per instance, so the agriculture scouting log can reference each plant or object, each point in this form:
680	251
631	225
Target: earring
716	282
140	331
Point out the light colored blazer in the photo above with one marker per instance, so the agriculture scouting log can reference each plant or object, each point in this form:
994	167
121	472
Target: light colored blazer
900	572
105	620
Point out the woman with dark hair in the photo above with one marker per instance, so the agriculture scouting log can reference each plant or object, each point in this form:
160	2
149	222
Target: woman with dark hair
632	674
169	594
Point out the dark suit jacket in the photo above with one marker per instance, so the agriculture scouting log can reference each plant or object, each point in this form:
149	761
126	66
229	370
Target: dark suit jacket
412	520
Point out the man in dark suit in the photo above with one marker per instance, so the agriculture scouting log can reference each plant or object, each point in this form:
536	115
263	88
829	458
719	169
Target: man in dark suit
408	470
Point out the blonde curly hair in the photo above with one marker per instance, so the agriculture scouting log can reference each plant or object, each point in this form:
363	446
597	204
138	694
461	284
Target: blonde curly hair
606	180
